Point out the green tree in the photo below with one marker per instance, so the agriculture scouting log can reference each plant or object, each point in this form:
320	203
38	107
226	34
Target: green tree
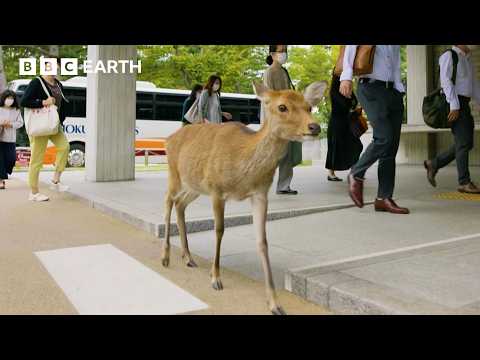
181	66
12	54
315	63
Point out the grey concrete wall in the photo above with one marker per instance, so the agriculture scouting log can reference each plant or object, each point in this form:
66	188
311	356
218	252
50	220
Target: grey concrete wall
111	101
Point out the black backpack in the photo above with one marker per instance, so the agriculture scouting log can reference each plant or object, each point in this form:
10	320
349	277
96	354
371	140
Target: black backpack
435	107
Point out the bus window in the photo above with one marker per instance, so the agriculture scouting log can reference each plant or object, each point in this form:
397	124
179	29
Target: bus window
77	105
144	106
168	107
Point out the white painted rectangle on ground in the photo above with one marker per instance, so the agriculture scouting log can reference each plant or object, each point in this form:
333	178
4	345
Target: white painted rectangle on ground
103	280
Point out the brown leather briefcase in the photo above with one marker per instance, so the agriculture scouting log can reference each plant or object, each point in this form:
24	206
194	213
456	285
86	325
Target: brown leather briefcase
363	63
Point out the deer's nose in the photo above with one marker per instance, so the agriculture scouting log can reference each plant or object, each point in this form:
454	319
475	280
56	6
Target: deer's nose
314	128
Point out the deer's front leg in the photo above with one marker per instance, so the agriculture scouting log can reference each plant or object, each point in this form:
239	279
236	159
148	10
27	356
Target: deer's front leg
259	207
219	212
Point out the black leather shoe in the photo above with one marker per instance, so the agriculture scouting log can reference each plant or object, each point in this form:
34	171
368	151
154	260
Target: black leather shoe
287	192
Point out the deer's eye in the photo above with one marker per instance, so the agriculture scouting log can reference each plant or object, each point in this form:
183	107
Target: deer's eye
282	108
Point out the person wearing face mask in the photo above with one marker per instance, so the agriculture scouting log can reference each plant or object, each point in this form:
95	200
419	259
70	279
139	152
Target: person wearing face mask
458	95
187	104
276	77
34	98
10	120
209	102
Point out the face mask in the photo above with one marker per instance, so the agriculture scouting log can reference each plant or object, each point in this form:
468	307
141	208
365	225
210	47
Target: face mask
216	87
282	58
472	47
8	102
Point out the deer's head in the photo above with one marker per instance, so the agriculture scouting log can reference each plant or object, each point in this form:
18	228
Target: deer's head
289	112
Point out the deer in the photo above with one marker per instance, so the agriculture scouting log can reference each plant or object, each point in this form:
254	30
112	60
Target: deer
230	161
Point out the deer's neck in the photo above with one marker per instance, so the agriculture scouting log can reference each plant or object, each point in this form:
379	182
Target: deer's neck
267	149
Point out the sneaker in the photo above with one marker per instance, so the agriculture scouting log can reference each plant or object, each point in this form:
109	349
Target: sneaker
469	188
59	187
37	197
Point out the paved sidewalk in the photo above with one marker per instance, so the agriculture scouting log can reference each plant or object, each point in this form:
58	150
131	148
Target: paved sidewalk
334	235
31	232
141	202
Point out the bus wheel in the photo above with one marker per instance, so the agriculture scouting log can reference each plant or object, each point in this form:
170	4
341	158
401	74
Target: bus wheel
76	156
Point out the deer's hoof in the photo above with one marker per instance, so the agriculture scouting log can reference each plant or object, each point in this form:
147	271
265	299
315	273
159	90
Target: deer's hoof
192	264
165	262
217	284
277	310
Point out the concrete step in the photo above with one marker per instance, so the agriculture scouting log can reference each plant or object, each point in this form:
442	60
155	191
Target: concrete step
149	222
432	278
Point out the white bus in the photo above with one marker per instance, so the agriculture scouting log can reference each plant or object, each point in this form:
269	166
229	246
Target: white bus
159	112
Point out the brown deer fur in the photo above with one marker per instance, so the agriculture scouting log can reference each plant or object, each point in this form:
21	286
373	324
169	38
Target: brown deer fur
231	161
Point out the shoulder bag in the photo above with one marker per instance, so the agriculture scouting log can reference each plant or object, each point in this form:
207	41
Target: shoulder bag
363	63
435	106
44	121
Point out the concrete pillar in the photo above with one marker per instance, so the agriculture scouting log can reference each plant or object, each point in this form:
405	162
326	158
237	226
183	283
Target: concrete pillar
111	100
419	80
416	147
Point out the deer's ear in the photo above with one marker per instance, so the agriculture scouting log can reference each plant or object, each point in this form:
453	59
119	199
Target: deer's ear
315	92
260	89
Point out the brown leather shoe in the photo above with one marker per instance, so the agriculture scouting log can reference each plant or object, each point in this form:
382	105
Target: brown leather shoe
470	188
431	172
389	205
355	189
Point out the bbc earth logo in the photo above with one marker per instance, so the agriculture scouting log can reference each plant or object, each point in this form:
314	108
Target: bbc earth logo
70	66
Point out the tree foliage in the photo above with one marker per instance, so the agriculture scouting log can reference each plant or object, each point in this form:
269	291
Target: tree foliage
182	66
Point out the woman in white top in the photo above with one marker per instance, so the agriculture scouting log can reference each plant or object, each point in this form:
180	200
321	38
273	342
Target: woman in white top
209	102
10	120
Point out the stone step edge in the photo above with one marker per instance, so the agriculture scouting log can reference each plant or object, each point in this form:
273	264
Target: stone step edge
323	284
203	224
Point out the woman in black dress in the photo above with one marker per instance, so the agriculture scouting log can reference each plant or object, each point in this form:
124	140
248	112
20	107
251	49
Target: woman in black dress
344	148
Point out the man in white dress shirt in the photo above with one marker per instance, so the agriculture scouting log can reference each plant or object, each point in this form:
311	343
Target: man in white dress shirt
381	96
458	96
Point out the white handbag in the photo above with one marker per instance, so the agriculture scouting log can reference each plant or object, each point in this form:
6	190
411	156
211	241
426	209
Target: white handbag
194	115
43	121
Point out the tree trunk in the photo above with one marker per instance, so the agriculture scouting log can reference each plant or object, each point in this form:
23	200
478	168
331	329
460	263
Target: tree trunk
3	76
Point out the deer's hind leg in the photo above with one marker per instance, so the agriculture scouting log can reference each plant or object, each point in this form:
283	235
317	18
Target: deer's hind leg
166	242
174	189
180	205
219	213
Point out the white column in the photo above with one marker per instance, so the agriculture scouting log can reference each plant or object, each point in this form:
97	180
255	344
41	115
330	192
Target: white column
111	100
419	80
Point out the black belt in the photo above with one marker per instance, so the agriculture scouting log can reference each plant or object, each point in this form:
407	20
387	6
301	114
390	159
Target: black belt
387	84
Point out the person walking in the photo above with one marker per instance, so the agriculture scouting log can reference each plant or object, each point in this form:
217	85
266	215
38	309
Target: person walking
10	120
209	102
458	95
344	148
187	104
34	98
381	96
276	77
